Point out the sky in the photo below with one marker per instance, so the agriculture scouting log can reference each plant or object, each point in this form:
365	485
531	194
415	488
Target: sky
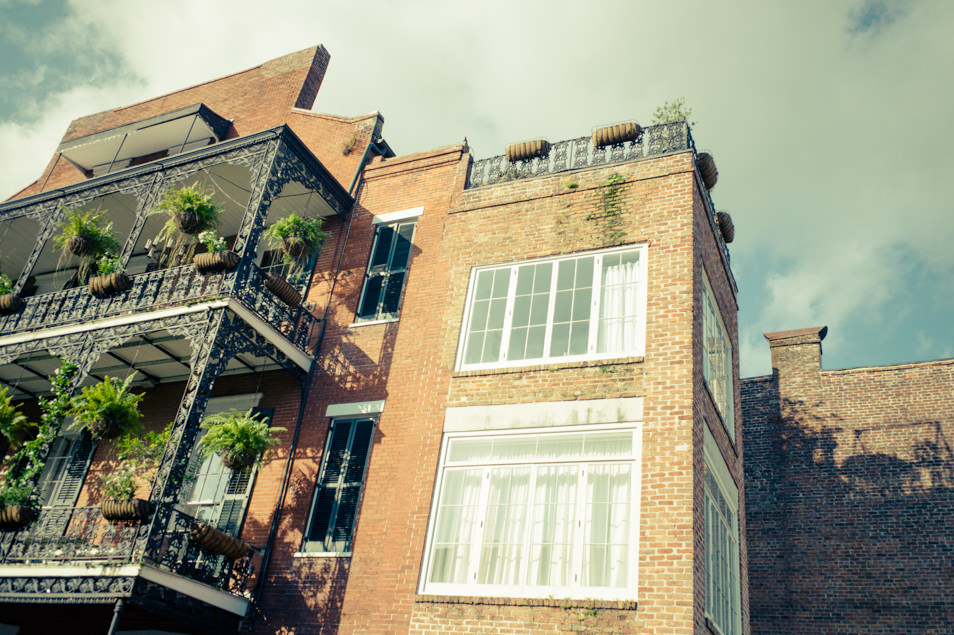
827	118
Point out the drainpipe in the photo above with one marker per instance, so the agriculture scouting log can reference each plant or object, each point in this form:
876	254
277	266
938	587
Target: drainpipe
273	530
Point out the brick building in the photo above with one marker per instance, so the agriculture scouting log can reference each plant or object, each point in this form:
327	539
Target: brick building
849	493
509	391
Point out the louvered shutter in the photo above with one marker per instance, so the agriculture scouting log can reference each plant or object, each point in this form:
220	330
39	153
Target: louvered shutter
237	492
339	487
66	488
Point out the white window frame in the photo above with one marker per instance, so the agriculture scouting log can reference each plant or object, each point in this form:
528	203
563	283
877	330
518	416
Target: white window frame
637	350
574	590
721	542
719	381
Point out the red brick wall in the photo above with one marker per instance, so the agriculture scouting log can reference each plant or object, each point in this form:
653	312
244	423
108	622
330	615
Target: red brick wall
850	492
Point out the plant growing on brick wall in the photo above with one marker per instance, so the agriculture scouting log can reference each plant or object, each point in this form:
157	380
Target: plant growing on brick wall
609	209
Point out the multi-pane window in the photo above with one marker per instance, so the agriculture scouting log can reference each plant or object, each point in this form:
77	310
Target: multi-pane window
338	493
717	359
587	306
723	607
387	270
535	514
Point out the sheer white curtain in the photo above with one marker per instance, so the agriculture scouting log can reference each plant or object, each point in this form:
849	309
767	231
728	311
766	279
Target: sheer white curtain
619	311
456	521
606	540
503	548
552	525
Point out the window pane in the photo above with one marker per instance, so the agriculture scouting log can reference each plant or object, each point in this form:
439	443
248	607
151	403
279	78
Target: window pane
553	526
571	319
502	551
382	247
456	521
402	248
619	304
372	295
392	294
607	527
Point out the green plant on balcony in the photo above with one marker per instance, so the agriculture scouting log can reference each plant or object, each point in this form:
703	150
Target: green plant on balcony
110	277
217	257
9	301
190	212
107	409
6	284
12	421
238	438
296	237
85	236
139	457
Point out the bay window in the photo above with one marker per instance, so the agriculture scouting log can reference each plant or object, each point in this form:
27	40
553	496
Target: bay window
584	306
535	514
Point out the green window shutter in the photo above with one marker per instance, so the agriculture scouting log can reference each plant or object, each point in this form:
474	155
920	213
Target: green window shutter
65	489
237	492
338	492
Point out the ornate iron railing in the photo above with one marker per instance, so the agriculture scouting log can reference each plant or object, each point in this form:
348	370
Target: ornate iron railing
575	154
68	535
176	286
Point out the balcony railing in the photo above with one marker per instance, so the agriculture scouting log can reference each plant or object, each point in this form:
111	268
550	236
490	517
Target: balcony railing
66	536
176	286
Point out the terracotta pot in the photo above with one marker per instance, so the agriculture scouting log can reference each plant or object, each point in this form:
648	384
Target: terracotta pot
294	246
187	222
115	509
10	303
215	262
16	517
79	246
110	284
726	226
282	290
527	150
618	133
707	168
217	541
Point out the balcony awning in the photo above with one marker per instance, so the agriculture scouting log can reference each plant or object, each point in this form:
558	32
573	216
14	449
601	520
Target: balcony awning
168	134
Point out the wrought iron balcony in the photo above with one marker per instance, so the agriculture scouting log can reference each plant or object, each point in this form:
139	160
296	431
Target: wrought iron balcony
79	535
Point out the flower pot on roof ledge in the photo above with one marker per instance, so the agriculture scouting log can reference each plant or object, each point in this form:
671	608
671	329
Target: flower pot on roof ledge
215	262
282	290
526	150
10	303
110	284
616	134
217	541
118	509
16	517
707	169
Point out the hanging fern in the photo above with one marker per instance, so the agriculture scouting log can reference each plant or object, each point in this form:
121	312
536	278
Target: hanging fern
239	438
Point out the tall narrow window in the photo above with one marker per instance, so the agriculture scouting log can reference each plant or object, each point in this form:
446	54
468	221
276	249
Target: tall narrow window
338	492
723	605
717	359
387	270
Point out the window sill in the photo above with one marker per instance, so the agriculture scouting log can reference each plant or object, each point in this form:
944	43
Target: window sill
589	363
321	554
622	605
355	325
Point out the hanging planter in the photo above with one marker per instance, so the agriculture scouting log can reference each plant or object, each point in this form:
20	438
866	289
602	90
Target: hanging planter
726	226
215	262
217	541
239	438
282	290
16	517
10	303
526	150
616	134
109	285
707	168
135	509
294	246
108	408
80	246
187	222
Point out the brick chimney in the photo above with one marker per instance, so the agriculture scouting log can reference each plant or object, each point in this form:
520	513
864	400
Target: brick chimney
796	358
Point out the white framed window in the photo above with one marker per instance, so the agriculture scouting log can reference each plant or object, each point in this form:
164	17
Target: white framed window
547	512
723	604
717	359
583	306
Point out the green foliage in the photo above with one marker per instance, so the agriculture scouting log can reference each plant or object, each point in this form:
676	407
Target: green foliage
108	401
139	457
26	465
671	112
12	421
107	264
308	230
610	209
212	241
6	284
236	434
119	483
192	200
79	224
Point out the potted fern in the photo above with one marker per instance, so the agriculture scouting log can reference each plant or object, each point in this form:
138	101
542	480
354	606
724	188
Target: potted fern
107	409
139	458
191	211
12	421
9	301
217	258
238	438
296	237
110	278
18	505
86	236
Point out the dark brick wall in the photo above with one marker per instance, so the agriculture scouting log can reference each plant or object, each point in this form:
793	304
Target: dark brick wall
849	495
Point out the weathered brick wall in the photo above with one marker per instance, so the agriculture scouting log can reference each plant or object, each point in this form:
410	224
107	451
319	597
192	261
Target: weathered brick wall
850	494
